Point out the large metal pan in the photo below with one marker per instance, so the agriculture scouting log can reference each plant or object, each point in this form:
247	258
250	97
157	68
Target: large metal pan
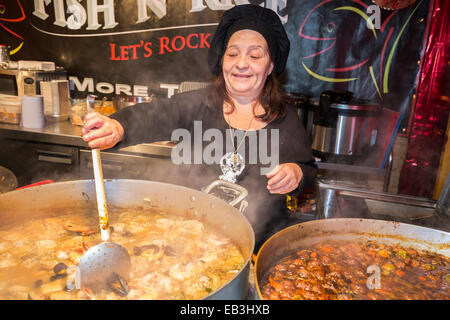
56	198
304	235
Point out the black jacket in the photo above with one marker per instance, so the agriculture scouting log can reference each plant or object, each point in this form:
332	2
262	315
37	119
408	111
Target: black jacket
156	121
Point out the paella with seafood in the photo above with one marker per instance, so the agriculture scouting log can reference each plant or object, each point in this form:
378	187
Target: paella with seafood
172	257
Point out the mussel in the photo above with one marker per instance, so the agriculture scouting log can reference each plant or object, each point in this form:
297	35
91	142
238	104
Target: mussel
60	270
169	251
118	284
38	283
137	251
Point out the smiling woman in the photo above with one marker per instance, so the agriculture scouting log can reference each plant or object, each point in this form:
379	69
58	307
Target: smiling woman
246	64
247	53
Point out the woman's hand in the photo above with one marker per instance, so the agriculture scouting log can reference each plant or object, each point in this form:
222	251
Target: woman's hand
284	178
101	132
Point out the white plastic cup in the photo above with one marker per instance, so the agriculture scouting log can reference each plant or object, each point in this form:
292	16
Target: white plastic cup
33	112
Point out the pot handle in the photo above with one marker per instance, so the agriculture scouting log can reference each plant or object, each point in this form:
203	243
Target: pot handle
230	192
324	105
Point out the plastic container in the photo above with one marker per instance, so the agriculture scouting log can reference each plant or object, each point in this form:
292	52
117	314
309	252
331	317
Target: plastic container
33	112
10	109
104	107
78	111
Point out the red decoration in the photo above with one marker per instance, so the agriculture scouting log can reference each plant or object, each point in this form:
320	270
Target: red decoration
429	122
393	4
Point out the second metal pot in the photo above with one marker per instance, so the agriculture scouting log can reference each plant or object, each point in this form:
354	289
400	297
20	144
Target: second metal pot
307	234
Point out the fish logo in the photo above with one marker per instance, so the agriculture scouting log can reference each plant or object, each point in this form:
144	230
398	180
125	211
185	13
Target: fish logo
16	39
329	39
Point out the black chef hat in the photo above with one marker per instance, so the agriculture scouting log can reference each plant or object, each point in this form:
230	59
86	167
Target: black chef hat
256	18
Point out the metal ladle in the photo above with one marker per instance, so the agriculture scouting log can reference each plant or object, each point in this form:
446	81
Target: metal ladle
106	259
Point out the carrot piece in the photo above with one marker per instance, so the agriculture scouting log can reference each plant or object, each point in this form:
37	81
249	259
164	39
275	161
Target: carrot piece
326	249
414	263
384	253
313	254
400	273
422	278
372	253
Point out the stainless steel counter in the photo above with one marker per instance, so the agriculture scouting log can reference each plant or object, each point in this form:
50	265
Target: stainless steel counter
65	133
57	152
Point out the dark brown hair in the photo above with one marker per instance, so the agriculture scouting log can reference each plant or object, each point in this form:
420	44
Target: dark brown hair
272	98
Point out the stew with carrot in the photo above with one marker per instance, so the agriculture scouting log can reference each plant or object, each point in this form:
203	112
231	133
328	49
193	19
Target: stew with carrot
351	270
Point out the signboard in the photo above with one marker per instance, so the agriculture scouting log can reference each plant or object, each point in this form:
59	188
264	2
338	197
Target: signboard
140	47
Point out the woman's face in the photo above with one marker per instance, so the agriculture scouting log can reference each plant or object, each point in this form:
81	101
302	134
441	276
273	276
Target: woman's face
246	64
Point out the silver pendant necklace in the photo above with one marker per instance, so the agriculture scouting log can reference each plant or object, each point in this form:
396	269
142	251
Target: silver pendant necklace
232	163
